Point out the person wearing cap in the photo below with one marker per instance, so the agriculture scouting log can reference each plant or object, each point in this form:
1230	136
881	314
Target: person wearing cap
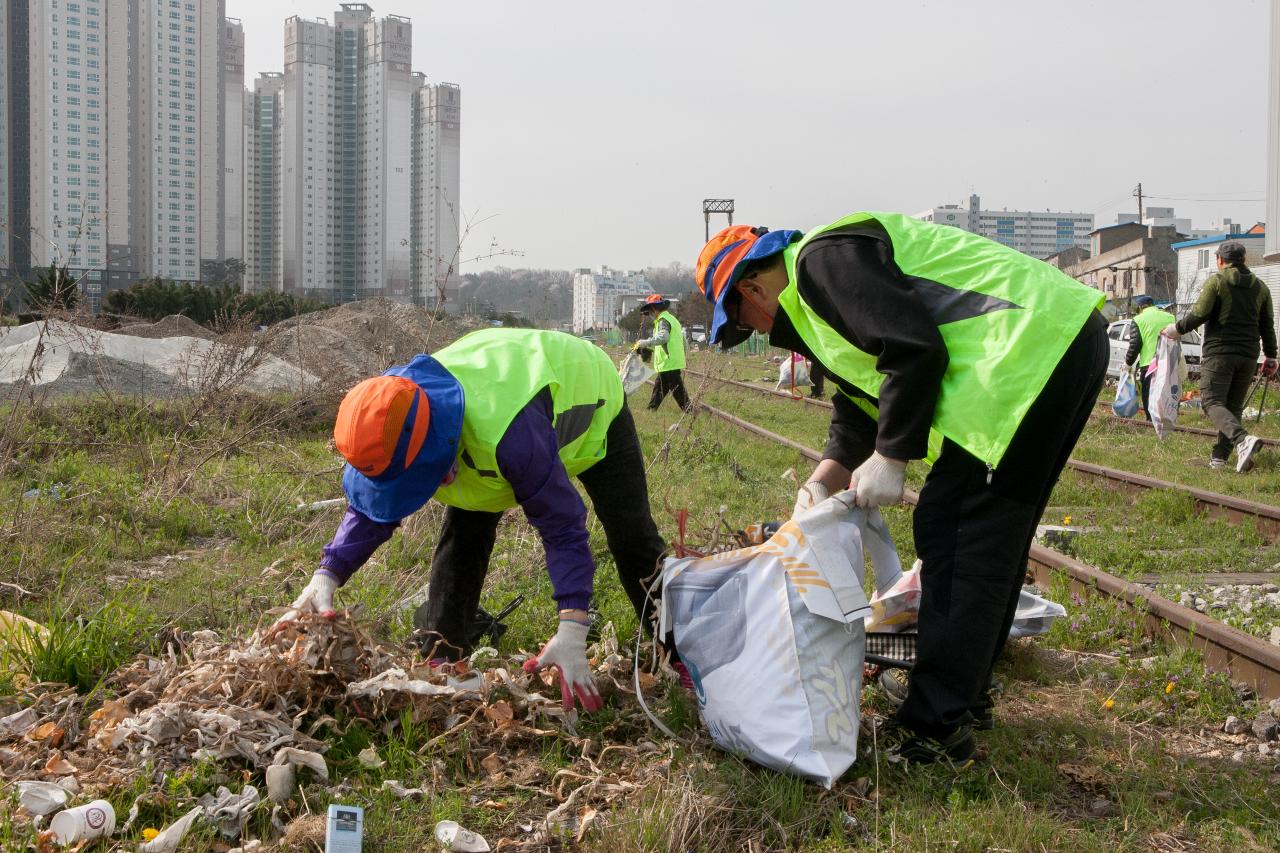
1142	344
1235	309
667	343
941	344
498	418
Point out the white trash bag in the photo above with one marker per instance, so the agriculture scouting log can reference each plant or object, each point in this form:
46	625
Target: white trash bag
1166	386
634	372
793	373
1034	616
773	637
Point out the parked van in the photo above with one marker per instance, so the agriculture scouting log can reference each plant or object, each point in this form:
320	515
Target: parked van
1119	333
698	336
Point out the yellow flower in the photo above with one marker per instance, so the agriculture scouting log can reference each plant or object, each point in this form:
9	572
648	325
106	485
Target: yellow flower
1109	704
150	832
1066	519
1168	688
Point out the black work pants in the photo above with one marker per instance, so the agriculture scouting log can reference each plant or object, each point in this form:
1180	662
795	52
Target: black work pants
973	537
669	381
1145	385
1224	385
620	496
817	376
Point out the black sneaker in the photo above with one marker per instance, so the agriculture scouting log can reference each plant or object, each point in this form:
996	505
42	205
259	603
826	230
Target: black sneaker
984	718
894	683
956	748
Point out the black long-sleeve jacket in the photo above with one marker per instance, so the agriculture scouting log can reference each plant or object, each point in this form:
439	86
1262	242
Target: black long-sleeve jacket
852	283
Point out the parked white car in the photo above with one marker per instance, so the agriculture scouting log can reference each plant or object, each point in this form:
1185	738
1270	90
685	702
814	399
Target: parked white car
1119	333
698	336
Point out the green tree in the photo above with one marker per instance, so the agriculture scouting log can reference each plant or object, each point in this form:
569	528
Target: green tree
53	289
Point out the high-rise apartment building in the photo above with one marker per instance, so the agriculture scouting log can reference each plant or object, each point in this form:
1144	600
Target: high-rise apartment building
436	215
15	141
68	120
1039	234
233	114
263	268
113	149
347	161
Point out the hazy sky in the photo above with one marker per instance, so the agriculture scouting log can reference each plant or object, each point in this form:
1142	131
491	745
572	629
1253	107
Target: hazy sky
592	130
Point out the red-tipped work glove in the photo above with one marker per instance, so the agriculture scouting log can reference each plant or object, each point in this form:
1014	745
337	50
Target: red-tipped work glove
316	597
879	481
567	652
1269	367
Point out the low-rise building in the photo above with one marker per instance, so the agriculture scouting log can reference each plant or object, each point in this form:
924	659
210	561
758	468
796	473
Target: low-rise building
1197	260
1036	233
1128	260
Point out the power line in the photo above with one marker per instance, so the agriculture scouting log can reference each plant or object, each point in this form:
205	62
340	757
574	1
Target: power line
1196	198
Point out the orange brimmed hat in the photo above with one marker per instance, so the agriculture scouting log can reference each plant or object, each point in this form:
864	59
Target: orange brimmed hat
720	265
656	300
399	434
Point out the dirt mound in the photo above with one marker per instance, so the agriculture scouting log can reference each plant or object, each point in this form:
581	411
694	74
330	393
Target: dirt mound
378	333
173	326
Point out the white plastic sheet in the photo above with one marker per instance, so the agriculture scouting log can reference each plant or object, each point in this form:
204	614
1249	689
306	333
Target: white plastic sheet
773	637
1166	386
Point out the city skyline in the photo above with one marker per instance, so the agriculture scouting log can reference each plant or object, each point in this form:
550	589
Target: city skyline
593	136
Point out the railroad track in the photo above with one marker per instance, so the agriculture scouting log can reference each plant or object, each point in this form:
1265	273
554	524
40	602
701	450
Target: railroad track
1242	656
1235	510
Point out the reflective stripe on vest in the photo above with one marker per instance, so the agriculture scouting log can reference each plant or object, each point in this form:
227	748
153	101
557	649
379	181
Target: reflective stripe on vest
671	355
1150	323
501	370
1005	317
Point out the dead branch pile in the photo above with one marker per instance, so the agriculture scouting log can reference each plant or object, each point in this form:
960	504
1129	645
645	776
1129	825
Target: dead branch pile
271	700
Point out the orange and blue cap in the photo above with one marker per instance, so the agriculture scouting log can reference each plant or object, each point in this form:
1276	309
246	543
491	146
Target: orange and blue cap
656	300
720	265
399	433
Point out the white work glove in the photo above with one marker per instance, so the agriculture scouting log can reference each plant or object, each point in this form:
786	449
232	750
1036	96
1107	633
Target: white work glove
1171	332
567	652
878	481
810	495
316	597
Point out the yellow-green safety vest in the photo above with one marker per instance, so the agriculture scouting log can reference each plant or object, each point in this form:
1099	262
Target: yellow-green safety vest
1150	323
501	370
1005	317
671	355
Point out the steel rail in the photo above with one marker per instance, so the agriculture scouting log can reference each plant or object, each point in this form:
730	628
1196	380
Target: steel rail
1242	656
1265	516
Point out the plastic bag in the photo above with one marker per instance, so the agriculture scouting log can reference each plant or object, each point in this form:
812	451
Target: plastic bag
1034	615
1126	402
1166	386
634	372
793	373
773	637
898	608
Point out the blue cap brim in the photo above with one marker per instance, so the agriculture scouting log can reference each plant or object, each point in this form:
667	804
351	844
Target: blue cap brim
724	331
389	498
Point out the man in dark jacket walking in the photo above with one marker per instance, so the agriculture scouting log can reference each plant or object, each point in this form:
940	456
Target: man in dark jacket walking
1235	309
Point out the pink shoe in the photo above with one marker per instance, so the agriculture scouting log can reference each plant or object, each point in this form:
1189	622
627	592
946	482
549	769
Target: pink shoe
686	680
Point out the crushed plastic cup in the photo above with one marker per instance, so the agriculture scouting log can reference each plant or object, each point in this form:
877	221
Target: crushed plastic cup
84	823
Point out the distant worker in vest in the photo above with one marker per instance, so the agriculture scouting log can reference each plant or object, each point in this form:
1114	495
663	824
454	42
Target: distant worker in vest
1235	309
1142	344
940	343
498	418
667	343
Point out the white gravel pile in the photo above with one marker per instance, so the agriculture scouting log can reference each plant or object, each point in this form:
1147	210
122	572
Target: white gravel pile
65	357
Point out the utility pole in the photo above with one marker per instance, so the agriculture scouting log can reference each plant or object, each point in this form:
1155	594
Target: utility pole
1138	193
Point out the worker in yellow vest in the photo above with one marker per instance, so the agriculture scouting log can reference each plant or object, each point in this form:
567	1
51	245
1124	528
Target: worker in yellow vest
499	418
667	343
1141	354
942	344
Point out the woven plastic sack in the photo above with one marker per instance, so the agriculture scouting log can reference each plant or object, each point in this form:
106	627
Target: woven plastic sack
1126	402
773	637
1166	386
794	373
634	372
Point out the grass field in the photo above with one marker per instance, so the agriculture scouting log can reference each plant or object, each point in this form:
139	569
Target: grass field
119	520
